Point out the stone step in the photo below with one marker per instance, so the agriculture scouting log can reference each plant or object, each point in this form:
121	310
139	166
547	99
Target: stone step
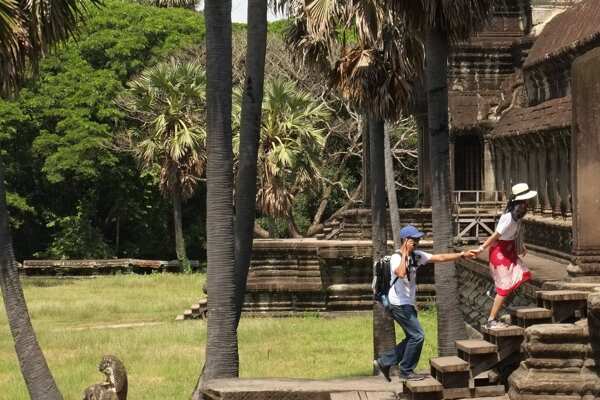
577	286
427	389
452	372
476	346
566	305
508	339
527	316
481	355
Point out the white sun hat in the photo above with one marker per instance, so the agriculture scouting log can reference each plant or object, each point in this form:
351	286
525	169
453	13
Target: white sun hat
521	191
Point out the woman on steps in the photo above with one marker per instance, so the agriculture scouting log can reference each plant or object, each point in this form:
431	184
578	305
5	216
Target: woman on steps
506	245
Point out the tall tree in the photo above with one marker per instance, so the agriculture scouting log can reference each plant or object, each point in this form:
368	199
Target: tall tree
445	23
383	325
390	182
222	359
166	105
251	113
28	29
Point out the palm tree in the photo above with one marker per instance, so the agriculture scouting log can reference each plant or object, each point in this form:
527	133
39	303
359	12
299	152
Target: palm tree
222	359
292	140
373	66
444	23
28	29
249	138
166	104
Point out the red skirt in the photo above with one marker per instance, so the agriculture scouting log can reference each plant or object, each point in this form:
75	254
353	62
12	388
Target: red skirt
506	267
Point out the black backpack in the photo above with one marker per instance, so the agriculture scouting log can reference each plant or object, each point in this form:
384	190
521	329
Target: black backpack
382	276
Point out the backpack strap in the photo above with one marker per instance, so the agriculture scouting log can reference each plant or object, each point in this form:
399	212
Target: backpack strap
396	278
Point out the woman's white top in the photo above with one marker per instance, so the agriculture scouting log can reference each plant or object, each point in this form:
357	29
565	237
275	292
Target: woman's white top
507	227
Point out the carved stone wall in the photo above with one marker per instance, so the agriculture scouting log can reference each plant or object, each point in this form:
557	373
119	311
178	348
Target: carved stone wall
553	237
290	276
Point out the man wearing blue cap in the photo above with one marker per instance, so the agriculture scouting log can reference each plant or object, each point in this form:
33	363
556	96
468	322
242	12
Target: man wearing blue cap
404	264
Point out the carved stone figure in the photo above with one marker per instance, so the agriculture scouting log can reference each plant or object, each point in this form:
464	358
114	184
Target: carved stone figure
115	385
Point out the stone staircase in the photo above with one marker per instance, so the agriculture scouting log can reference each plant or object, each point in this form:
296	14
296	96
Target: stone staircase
552	335
198	310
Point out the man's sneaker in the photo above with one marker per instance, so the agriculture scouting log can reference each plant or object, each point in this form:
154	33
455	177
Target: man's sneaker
494	323
385	371
412	377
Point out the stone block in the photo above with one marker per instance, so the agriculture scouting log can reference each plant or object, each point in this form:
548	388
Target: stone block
585	147
427	389
476	346
562	295
452	372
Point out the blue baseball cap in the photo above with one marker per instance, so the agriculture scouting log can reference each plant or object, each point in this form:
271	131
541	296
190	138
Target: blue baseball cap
410	231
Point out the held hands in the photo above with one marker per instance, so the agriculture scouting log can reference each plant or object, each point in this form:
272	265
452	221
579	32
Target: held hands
469	253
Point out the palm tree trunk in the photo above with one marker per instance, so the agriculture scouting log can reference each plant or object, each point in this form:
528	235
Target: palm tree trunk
293	228
245	201
260	232
390	181
384	337
222	359
178	228
451	326
366	154
37	375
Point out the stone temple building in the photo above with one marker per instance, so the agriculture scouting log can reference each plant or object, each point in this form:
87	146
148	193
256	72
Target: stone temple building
513	119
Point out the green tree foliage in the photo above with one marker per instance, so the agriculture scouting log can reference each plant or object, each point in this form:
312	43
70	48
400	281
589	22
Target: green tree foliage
56	137
292	140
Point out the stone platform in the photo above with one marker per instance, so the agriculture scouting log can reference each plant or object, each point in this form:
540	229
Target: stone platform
367	388
360	388
98	267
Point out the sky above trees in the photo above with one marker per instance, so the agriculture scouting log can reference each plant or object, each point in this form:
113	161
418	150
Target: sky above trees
239	11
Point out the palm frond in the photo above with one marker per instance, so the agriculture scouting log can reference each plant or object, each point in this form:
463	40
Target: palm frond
459	19
166	103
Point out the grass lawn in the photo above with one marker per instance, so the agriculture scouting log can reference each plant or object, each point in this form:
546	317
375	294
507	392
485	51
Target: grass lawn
132	317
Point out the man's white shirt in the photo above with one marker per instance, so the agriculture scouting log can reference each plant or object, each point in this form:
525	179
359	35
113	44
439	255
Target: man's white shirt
404	291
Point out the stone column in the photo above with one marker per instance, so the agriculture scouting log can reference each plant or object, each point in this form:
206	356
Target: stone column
532	176
553	176
554	186
523	160
585	164
489	176
564	181
543	176
509	166
498	157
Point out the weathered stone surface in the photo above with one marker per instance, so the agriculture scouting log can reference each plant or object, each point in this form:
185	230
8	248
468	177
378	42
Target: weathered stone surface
554	363
427	385
585	148
504	331
301	389
555	333
562	295
476	346
528	381
449	364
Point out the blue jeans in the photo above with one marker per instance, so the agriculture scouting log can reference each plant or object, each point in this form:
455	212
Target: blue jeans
407	352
